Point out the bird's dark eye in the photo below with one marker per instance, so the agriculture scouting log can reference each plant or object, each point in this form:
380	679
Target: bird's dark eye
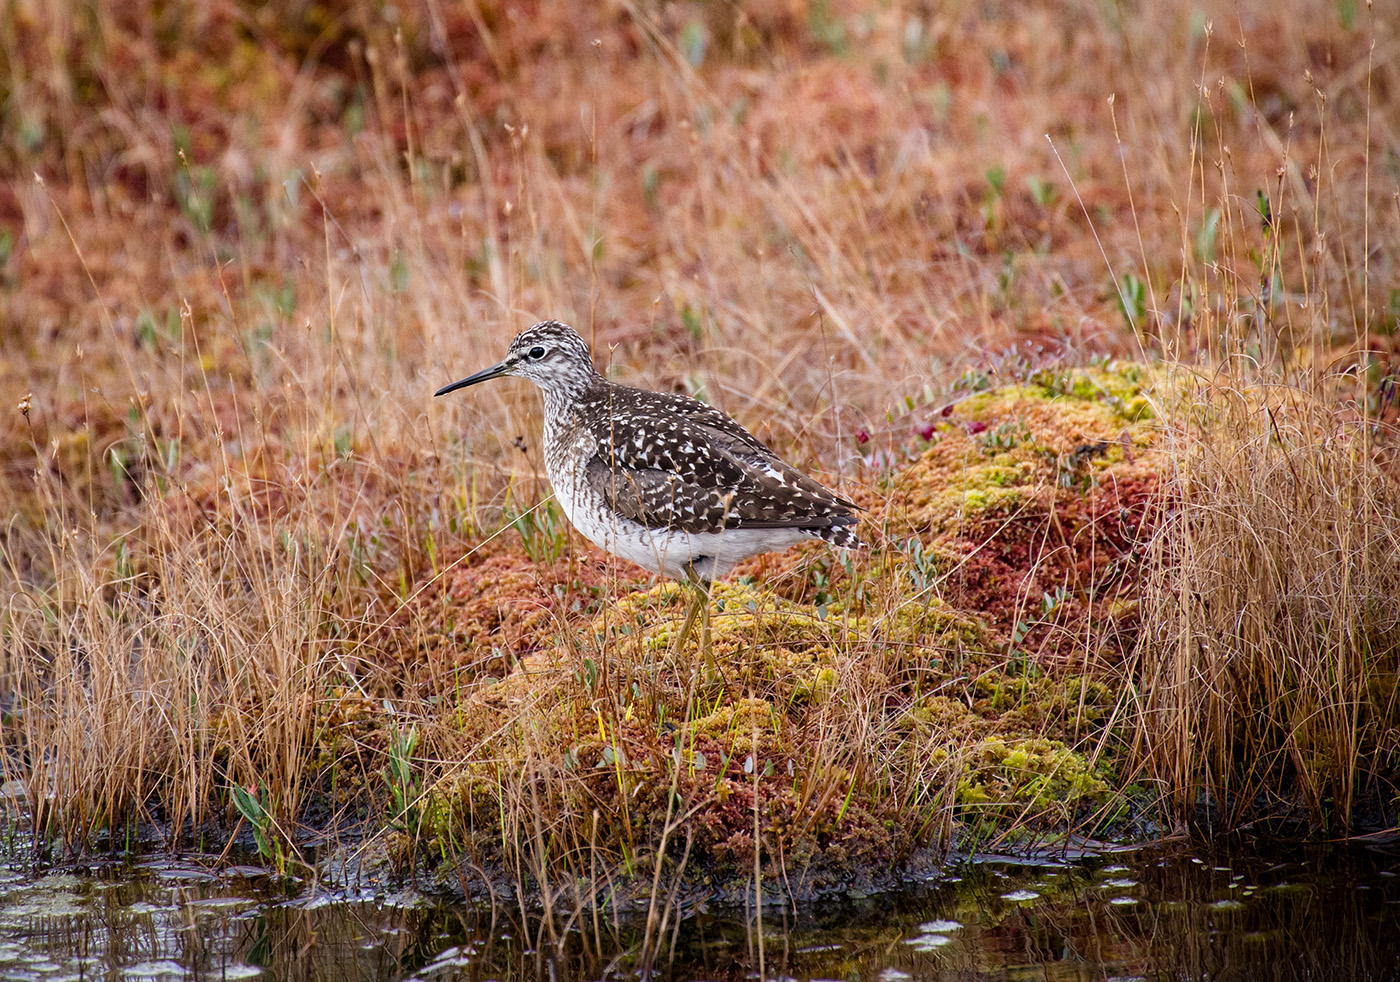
537	352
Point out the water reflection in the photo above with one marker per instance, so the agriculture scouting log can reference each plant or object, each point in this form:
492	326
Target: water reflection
1320	915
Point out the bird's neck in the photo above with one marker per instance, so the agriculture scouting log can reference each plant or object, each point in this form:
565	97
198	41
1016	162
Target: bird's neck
562	395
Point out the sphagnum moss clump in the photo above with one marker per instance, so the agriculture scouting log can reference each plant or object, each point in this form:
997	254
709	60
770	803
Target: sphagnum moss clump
776	711
795	701
1001	448
1026	786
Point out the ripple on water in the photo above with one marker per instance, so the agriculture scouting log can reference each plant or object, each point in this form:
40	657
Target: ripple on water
185	874
161	969
26	905
240	970
1021	896
939	927
214	904
441	964
929	942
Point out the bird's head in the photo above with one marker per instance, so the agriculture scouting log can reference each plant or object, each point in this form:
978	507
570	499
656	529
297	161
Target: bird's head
550	354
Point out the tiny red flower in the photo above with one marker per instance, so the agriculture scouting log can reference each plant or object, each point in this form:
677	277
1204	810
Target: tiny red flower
862	435
976	426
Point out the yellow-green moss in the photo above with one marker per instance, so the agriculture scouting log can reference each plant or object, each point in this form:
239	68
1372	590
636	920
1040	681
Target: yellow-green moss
734	726
742	618
1035	700
468	801
943	712
791	652
1002	446
1044	777
1094	397
816	688
925	621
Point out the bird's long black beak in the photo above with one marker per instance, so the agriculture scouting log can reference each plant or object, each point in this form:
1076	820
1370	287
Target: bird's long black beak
495	371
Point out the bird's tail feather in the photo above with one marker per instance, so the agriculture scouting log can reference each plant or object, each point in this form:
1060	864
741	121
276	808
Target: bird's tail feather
843	536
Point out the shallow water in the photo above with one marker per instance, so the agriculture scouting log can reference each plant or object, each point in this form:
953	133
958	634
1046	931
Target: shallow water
1331	914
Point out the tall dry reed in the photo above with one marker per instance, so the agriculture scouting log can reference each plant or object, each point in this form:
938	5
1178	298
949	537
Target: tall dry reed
1270	646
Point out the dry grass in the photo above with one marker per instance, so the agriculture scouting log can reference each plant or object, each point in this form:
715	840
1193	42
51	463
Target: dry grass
1270	654
244	548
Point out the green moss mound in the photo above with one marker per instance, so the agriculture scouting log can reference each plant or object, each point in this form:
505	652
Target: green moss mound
836	713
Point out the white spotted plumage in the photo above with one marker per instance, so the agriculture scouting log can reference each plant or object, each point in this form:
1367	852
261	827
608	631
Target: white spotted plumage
663	481
660	550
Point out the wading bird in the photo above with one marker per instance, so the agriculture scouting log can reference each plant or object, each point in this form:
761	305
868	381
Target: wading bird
665	481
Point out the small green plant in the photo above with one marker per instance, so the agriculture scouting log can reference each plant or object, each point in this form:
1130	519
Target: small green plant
1132	300
398	272
996	185
694	41
651	185
1006	436
821	586
690	318
257	811
1043	192
398	776
542	530
973	380
924	569
827	28
1050	602
194	190
150	332
1073	468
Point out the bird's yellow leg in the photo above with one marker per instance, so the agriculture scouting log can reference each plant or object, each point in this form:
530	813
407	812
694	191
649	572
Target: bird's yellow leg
705	626
699	606
689	622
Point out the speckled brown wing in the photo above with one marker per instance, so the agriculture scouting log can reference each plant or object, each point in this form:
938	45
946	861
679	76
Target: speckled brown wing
723	431
677	464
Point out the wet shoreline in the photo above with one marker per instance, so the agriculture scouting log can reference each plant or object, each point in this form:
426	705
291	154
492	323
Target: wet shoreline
1314	912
